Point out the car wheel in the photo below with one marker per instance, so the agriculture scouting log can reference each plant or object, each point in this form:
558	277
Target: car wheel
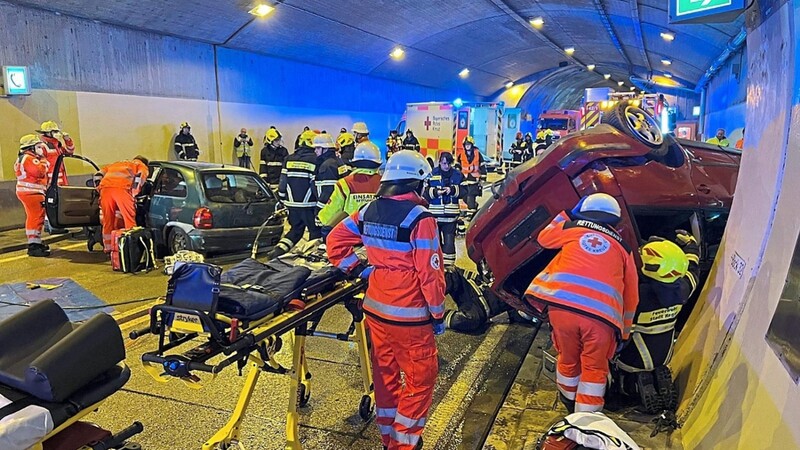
178	240
636	122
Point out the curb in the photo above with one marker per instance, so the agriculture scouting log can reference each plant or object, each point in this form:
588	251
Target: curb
47	240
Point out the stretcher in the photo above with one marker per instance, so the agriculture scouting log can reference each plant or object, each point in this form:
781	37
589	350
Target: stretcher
220	332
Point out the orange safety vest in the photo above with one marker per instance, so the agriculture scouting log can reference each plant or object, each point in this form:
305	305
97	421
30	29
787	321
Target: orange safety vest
128	175
594	273
470	167
31	172
54	149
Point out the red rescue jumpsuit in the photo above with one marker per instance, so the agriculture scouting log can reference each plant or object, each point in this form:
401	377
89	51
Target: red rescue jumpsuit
31	171
591	287
121	182
54	149
406	288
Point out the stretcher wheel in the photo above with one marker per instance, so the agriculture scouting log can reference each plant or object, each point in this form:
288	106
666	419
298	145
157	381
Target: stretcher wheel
305	394
366	408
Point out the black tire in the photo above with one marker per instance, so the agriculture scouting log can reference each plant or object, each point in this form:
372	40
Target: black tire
366	408
304	395
178	240
638	124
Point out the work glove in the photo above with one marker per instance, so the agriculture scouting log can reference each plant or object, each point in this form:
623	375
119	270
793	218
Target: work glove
438	327
688	244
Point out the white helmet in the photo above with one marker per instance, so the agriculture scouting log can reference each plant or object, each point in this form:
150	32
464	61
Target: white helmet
598	207
406	165
360	128
324	141
367	151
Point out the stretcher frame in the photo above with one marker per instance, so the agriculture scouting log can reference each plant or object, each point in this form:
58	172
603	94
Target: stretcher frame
254	345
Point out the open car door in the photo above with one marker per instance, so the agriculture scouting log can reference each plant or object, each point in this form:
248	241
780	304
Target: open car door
71	206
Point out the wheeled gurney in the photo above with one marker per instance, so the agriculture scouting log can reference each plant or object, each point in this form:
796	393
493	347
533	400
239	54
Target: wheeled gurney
246	333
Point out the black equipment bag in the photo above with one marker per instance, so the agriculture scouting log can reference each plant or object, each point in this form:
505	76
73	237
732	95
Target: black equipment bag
136	250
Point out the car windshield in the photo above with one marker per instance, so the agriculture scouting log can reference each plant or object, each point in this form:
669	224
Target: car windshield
553	124
234	188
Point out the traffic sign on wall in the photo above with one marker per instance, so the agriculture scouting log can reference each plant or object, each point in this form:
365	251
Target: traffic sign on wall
704	11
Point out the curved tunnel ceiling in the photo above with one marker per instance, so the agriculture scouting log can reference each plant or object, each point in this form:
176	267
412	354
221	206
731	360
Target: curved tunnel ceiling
490	37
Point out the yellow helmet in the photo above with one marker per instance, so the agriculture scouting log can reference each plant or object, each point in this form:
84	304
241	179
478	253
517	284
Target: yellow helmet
185	125
29	140
469	139
307	138
272	135
48	127
345	139
663	261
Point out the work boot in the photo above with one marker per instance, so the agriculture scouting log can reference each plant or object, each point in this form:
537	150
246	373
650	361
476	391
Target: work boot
569	404
38	251
90	242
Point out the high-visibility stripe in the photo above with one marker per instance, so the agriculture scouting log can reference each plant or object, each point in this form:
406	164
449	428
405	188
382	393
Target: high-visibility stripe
385	412
425	244
386	430
571	298
348	262
326	182
300	204
569	394
386	244
654	329
305	175
582	281
409	422
412	216
644	352
350	225
397	311
404	438
567	381
436	310
585	407
275	163
593	389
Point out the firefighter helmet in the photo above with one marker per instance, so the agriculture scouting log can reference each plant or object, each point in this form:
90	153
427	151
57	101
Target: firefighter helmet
323	140
367	151
48	127
29	140
469	139
598	207
272	135
360	128
663	261
406	165
307	138
345	139
185	125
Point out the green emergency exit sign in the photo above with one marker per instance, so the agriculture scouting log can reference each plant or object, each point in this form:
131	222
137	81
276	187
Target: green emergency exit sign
704	11
695	6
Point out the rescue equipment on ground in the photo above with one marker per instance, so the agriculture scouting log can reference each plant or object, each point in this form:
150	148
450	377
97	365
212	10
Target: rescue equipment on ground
132	250
181	256
590	430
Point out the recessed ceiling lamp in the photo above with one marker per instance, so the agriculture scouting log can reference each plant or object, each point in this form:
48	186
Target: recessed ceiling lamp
397	53
262	10
607	76
537	22
667	74
668	36
464	73
666	62
590	67
620	83
509	84
569	50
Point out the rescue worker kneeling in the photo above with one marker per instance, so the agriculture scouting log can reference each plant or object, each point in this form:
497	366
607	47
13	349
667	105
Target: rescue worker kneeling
121	182
404	303
31	169
590	292
670	277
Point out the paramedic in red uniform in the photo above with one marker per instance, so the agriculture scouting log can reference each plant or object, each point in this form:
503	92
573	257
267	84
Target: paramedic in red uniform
31	169
404	303
121	182
591	292
51	135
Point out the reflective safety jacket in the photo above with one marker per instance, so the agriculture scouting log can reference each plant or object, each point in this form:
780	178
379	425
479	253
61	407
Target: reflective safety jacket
127	175
242	145
394	144
296	188
272	158
653	332
411	143
593	274
31	171
445	206
518	151
330	169
55	149
406	276
186	146
350	193
472	166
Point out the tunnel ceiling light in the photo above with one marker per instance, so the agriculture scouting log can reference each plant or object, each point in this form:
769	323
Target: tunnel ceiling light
590	67
397	53
464	73
262	10
620	83
458	103
509	84
537	22
569	50
668	36
666	62
607	76
667	74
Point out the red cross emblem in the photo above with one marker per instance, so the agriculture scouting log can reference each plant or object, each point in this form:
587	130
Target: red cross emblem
595	242
427	123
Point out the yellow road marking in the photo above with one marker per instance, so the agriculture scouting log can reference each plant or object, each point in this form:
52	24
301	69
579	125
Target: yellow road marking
66	247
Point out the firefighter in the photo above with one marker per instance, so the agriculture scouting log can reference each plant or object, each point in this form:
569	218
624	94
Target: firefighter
476	302
473	167
720	139
517	151
544	137
410	142
50	133
529	147
297	191
356	189
590	292
443	193
670	274
185	146
297	140
394	143
272	156
346	143
330	168
31	169
404	302
121	182
242	145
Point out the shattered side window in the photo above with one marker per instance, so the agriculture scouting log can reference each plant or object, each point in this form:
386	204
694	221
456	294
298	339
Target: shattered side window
782	335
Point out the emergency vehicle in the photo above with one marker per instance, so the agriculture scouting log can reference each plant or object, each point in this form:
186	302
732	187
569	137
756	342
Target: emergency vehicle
562	121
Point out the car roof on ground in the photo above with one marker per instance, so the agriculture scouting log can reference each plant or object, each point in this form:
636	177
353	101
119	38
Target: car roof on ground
202	166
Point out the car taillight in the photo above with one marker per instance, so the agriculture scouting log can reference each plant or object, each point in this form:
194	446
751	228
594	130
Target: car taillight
203	218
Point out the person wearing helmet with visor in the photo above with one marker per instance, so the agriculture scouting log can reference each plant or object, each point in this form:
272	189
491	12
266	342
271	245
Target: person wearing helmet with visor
404	302
669	277
31	169
272	156
356	189
346	143
185	145
590	293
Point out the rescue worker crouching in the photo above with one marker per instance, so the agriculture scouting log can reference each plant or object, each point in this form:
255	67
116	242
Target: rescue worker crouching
272	156
476	302
670	274
118	188
31	169
185	145
404	302
297	191
590	293
473	167
356	189
443	193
